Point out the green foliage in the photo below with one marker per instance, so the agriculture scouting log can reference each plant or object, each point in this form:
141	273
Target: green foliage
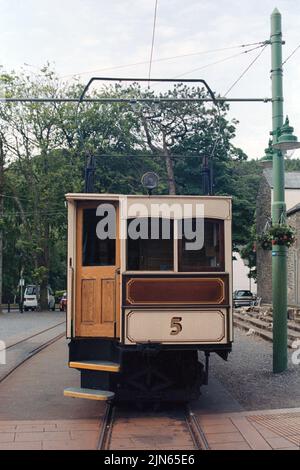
46	147
265	240
277	234
282	234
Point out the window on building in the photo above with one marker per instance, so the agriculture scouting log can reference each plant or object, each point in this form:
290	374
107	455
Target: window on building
154	249
96	252
211	256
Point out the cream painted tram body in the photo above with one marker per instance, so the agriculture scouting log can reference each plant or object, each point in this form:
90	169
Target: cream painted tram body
141	312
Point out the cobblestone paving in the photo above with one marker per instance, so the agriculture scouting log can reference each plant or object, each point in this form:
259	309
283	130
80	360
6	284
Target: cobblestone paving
49	435
264	430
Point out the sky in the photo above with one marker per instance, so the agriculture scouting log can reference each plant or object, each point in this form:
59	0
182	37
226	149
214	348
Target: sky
106	38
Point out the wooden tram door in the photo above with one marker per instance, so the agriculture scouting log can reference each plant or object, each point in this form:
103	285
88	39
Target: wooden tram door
97	279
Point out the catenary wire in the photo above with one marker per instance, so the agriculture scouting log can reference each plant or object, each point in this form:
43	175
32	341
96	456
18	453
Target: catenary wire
163	59
246	70
216	143
260	45
292	53
14	197
152	42
220	61
32	213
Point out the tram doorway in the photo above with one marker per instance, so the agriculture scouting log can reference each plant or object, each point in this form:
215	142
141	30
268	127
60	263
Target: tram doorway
97	274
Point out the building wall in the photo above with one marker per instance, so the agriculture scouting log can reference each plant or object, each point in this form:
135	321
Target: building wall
293	267
263	257
292	197
240	275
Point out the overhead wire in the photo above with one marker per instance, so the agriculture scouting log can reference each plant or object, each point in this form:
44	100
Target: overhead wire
14	197
53	212
258	45
246	70
216	143
152	42
292	53
163	59
202	67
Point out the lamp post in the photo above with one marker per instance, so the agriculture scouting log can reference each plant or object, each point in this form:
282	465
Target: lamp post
283	140
267	160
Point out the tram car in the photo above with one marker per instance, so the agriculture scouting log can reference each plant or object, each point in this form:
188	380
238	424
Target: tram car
149	293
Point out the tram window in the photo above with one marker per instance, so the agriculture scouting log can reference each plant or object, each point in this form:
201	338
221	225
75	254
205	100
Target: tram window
211	256
96	252
151	254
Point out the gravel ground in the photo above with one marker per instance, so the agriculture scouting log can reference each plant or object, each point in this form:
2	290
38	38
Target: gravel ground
19	325
248	375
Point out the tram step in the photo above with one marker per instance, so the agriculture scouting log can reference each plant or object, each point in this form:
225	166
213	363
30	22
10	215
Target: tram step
89	393
105	366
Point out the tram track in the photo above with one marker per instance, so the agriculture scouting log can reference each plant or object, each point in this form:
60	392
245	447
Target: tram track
23	340
35	348
186	422
195	430
106	428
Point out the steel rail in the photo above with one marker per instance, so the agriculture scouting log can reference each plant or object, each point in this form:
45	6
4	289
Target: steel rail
33	336
32	354
195	430
106	429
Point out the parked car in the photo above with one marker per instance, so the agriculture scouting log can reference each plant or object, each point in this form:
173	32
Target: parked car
31	296
242	298
63	303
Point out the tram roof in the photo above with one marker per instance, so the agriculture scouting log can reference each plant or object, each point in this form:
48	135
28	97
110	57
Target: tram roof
116	197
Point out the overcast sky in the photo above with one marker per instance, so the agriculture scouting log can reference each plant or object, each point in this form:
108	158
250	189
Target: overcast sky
96	36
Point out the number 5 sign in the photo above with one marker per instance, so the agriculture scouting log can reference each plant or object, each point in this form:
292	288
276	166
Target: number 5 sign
176	326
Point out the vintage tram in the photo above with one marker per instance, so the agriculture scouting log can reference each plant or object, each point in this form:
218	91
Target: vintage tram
147	300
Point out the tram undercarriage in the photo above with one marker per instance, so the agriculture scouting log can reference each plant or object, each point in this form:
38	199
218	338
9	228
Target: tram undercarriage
147	373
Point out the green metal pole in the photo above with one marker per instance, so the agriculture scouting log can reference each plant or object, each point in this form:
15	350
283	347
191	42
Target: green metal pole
279	253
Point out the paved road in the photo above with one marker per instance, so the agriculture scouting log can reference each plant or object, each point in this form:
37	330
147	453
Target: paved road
35	390
15	326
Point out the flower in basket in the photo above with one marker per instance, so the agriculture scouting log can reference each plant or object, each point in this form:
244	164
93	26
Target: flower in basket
282	234
265	240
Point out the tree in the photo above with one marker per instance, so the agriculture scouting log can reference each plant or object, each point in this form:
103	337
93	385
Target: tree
46	146
33	132
2	164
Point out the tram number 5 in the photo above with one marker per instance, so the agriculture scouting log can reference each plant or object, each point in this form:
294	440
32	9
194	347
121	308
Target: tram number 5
176	326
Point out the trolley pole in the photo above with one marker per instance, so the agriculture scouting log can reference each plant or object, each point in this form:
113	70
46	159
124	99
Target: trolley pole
279	252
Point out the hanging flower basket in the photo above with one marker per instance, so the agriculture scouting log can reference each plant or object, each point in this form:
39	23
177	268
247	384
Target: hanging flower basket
278	234
265	240
282	234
